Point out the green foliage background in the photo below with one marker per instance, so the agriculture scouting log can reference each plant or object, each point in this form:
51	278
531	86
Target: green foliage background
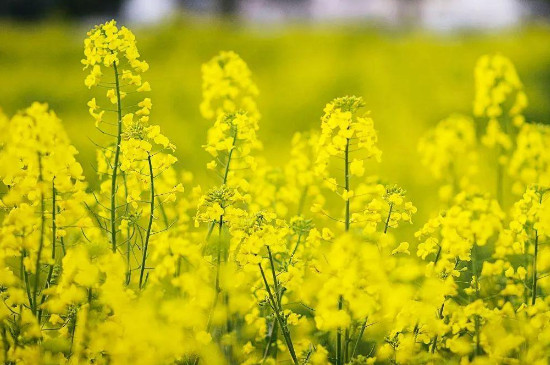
409	79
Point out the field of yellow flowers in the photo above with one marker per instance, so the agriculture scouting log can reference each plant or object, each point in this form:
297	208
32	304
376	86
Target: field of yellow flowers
308	262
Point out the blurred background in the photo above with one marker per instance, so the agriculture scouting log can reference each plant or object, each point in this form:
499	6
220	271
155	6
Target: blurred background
412	61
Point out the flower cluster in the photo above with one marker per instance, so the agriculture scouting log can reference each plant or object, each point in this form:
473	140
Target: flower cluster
227	87
230	142
105	46
344	128
449	152
530	161
499	91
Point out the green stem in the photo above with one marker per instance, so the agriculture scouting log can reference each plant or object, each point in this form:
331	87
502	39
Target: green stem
210	230
72	330
41	242
62	242
437	255
347	184
128	236
387	224
534	286
295	249
277	311
339	359
164	216
115	165
347	340
151	215
54	238
219	258
25	276
272	336
361	332
226	173
209	233
440	316
476	316
5	344
275	280
434	344
228	349
440	313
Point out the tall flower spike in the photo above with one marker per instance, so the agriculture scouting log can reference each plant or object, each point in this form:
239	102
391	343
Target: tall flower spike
108	47
348	136
500	99
530	161
44	199
228	96
105	46
345	127
230	142
227	87
499	91
449	152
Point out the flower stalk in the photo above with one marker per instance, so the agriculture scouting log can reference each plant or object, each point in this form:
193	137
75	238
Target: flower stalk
116	162
150	223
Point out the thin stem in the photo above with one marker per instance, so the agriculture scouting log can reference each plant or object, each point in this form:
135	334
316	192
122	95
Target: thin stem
220	227
25	276
437	255
295	249
62	242
347	340
226	172
273	334
41	242
275	280
5	343
151	215
440	316
115	165
128	238
347	184
386	226
361	332
434	344
534	286
434	341
339	359
270	340
282	323
228	328
476	316
219	258
54	212
164	216
54	233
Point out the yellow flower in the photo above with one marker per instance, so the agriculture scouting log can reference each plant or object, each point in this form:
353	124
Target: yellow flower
227	87
402	248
